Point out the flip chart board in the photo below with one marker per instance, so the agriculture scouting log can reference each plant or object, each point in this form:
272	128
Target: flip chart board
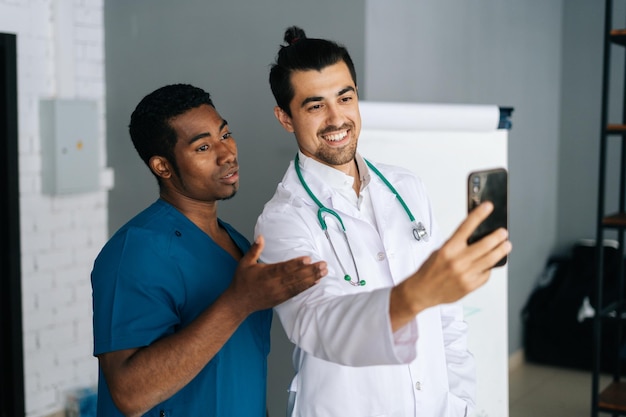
442	144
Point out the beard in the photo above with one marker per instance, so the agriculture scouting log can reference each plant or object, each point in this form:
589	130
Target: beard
336	156
331	156
228	197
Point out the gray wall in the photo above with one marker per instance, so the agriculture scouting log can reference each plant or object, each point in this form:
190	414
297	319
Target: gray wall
580	118
226	48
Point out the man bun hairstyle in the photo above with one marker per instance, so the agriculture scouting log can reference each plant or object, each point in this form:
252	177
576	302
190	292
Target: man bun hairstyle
303	54
293	34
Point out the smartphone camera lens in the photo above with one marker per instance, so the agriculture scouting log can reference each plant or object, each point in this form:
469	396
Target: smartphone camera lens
476	184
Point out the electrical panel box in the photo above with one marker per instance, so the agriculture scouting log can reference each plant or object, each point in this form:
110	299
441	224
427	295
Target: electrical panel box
69	145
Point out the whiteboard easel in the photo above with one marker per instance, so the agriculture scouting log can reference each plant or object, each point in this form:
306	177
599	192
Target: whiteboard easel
442	144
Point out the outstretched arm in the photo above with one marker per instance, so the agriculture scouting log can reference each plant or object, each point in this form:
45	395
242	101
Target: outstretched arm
451	272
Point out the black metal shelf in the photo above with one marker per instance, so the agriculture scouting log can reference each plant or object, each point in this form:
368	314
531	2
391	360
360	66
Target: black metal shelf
614	221
618	37
614	312
615	130
611	399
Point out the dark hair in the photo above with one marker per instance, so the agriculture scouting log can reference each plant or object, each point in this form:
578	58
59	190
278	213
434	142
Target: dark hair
149	127
302	54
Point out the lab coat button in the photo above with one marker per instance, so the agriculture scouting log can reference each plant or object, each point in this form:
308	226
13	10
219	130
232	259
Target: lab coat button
418	386
380	256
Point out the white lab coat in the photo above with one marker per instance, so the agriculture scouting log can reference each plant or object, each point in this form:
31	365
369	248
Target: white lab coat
348	363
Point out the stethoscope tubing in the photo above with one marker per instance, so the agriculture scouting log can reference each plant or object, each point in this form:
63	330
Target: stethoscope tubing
419	231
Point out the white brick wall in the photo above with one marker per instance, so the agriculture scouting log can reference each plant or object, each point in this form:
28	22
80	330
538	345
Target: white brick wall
60	235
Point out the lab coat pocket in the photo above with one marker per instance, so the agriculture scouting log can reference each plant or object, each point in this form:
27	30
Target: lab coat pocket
457	407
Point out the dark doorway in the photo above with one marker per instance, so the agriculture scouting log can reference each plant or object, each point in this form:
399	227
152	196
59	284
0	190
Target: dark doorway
11	347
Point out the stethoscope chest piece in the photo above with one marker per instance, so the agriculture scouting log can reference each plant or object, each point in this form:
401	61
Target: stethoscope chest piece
419	232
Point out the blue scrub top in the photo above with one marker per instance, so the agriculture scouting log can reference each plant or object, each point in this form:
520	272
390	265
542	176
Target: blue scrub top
155	276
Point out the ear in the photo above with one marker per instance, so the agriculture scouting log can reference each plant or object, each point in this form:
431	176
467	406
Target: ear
284	119
160	166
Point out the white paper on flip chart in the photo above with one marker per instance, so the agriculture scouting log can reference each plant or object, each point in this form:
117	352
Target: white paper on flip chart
429	117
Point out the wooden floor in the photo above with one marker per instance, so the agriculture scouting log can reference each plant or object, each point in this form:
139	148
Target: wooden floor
545	391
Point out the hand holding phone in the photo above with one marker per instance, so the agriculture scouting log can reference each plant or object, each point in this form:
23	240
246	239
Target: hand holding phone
489	185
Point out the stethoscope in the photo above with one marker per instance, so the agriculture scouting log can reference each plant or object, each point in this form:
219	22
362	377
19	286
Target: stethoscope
418	229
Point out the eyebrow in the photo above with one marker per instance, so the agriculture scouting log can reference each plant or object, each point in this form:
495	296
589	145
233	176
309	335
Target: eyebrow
206	134
319	98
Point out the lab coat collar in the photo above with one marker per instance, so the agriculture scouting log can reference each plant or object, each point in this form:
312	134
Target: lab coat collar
333	177
317	177
322	181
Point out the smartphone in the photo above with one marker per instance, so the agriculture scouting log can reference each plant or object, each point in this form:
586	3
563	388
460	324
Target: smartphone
489	185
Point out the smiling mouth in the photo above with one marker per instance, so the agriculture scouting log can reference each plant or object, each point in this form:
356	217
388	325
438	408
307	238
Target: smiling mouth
335	137
231	174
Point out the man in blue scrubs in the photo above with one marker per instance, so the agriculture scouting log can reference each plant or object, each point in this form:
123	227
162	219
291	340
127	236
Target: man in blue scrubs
182	308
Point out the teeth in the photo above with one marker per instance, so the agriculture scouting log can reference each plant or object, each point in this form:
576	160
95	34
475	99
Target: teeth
336	137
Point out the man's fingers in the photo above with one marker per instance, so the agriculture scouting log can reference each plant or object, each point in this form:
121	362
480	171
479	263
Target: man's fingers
499	252
300	268
472	221
289	278
254	253
491	248
300	271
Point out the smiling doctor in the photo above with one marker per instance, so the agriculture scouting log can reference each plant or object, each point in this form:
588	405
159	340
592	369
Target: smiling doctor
381	335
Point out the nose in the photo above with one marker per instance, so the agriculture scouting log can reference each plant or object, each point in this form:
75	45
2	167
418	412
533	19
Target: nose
226	152
334	115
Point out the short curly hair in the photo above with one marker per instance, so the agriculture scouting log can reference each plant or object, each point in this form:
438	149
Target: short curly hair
150	128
